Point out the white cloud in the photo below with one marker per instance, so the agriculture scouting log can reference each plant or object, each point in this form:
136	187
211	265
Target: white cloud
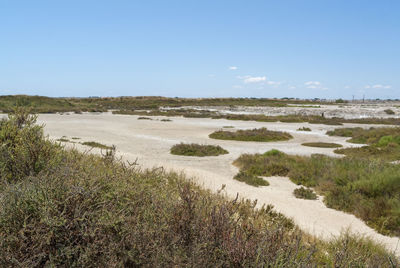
233	68
314	85
252	79
379	86
273	83
292	87
347	87
237	86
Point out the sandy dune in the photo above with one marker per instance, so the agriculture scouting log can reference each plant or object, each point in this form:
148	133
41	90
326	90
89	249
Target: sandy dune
149	141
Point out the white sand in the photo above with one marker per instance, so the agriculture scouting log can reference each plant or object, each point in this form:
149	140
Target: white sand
150	142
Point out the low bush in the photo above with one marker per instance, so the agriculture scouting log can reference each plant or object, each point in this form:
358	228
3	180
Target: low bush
383	143
144	118
96	145
260	135
389	111
322	144
304	193
250	179
197	150
304	129
367	188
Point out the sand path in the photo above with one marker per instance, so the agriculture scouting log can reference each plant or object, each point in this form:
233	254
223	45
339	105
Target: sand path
149	141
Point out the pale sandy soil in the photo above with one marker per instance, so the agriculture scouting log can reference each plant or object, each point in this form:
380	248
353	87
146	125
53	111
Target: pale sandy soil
150	142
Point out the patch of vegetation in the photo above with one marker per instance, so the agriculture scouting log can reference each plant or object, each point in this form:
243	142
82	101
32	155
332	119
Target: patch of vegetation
197	150
76	138
259	135
63	140
144	118
304	193
228	127
63	208
251	179
322	144
166	120
383	143
96	145
389	111
304	129
367	188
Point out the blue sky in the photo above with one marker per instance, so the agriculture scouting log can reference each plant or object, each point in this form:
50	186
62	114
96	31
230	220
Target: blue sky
298	48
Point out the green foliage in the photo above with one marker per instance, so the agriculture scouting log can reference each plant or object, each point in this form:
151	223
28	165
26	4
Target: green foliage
304	129
144	118
322	144
304	193
251	179
96	145
384	142
197	150
260	135
24	150
389	111
84	210
369	189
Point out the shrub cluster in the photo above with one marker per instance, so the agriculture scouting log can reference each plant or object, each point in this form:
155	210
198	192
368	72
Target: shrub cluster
250	179
304	193
96	145
369	189
194	149
383	143
260	135
304	129
322	144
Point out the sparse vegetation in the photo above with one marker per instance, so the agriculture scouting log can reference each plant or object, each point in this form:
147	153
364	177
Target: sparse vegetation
96	145
322	144
197	150
63	140
389	111
76	138
166	120
228	127
383	143
304	193
251	179
68	209
259	135
367	188
304	129
144	118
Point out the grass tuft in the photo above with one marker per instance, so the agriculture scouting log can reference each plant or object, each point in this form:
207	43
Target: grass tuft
251	179
96	145
304	129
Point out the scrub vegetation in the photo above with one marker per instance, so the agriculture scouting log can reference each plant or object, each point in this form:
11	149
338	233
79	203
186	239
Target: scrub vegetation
322	144
367	188
194	149
96	145
304	129
304	193
251	179
383	143
256	134
63	208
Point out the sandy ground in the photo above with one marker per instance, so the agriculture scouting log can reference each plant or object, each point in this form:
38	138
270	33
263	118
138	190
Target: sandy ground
149	141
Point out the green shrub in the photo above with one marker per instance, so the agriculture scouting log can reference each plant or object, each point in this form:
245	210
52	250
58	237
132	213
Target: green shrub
304	129
367	188
24	150
389	111
197	150
96	145
251	179
144	118
304	193
322	144
259	135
